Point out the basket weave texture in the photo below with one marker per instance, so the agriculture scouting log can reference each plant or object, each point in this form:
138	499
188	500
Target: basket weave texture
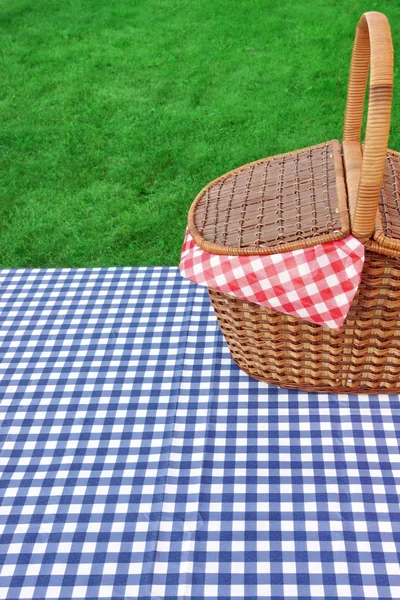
269	204
315	195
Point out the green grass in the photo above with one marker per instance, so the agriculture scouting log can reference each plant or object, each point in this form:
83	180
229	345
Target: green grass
115	114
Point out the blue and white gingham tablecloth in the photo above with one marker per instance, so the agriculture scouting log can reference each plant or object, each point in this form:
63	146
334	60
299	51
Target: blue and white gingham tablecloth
139	462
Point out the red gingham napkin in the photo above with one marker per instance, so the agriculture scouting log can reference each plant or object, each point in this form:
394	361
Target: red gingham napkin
316	284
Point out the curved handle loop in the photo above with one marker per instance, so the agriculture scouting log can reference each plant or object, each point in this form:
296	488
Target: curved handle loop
372	50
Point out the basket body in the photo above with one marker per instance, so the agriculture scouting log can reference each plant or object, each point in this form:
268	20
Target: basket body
363	356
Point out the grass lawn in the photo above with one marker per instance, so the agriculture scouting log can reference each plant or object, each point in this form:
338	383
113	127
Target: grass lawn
115	114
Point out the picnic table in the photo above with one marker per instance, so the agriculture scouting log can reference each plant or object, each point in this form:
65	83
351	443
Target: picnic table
138	461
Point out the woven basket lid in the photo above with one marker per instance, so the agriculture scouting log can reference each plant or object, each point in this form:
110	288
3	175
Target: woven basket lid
273	205
387	228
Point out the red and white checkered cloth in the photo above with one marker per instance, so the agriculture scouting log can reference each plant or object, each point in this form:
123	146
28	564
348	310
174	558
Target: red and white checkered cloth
316	284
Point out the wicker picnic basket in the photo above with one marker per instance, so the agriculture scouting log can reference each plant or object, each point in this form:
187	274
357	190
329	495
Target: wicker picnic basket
304	198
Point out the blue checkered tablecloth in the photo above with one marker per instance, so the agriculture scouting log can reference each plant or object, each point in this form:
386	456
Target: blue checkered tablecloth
139	462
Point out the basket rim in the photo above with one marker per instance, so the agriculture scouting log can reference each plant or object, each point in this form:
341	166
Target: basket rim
339	234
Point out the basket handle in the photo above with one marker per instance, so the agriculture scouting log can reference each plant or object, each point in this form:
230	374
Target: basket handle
372	51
